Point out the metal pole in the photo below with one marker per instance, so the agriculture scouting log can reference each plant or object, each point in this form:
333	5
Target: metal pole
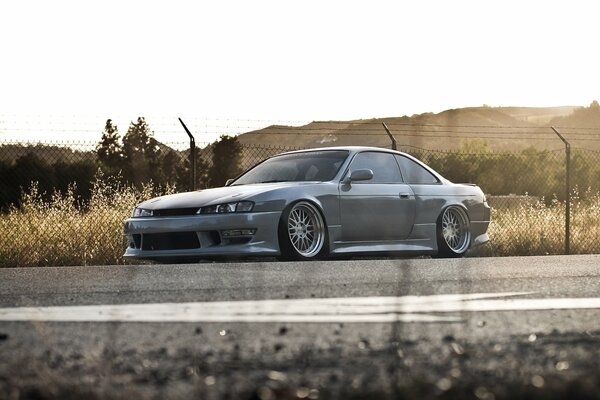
192	155
568	192
390	135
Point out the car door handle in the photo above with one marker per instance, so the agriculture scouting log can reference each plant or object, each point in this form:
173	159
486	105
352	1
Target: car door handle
405	195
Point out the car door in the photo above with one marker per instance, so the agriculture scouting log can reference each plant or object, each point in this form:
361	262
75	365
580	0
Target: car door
381	208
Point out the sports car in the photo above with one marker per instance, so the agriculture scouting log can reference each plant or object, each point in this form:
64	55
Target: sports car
316	203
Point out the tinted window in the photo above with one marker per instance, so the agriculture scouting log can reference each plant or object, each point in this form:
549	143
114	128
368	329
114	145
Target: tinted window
415	173
296	167
383	165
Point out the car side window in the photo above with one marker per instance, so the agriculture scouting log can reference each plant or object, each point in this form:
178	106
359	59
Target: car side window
384	167
415	173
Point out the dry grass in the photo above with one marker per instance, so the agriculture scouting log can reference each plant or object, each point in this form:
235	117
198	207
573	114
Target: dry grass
63	231
539	229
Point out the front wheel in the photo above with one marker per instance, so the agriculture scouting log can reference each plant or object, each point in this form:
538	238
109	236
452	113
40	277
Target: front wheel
453	232
302	232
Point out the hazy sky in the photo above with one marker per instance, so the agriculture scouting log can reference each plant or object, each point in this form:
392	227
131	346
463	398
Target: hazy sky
290	61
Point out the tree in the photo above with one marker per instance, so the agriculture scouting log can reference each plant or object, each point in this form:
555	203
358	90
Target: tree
109	149
141	153
226	154
180	170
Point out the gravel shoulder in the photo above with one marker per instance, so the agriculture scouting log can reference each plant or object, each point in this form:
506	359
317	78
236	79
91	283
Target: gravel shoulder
291	361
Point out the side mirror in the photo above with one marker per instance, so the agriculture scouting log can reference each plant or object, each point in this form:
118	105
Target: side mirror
359	175
229	182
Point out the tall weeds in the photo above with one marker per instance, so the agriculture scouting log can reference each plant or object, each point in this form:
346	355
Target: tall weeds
67	231
539	228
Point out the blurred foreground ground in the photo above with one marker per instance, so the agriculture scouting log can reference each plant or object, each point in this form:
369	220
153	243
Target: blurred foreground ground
482	355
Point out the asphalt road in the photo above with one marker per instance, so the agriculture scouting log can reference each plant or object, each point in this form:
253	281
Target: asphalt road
526	327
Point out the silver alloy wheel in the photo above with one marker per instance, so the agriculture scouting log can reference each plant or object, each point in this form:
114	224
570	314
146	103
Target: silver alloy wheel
455	229
306	229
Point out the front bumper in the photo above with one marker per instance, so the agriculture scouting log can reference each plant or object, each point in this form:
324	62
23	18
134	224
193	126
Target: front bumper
203	235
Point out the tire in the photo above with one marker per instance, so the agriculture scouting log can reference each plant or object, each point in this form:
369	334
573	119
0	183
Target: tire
453	232
302	233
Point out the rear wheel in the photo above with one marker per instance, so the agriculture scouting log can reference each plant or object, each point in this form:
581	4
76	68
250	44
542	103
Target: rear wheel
453	232
302	232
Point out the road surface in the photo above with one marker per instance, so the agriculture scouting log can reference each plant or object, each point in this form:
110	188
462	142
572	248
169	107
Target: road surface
488	328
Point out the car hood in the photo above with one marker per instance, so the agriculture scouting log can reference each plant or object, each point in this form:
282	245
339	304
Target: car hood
220	195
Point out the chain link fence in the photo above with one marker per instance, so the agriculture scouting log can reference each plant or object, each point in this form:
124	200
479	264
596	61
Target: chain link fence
63	205
527	192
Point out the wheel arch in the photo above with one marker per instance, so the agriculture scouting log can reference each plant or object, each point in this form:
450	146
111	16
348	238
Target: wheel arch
443	251
318	206
309	199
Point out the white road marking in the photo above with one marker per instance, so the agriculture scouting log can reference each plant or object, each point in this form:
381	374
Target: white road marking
346	309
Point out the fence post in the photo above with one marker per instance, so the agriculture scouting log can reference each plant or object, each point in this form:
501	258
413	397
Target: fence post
192	155
390	135
568	192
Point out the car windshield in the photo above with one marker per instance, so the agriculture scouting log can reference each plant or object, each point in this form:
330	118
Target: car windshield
297	167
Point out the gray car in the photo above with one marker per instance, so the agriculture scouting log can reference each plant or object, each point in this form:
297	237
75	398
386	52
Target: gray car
314	203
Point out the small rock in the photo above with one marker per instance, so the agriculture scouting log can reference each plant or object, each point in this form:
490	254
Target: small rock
198	331
483	394
481	324
562	365
455	373
444	384
302	392
457	348
3	336
277	376
532	338
265	393
283	330
210	380
537	381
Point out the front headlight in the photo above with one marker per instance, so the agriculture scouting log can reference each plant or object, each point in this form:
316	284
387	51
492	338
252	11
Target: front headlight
141	212
240	206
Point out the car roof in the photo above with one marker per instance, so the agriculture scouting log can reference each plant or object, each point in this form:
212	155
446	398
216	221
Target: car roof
353	149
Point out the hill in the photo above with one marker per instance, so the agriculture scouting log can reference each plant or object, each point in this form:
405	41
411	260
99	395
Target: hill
503	128
51	154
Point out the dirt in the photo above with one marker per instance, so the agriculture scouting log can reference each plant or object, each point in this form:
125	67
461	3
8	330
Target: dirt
286	361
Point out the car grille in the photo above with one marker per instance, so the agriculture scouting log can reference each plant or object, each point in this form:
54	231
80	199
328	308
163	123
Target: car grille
168	212
170	241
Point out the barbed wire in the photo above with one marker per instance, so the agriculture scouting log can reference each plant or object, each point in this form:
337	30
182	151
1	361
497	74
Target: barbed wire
305	130
487	153
90	146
